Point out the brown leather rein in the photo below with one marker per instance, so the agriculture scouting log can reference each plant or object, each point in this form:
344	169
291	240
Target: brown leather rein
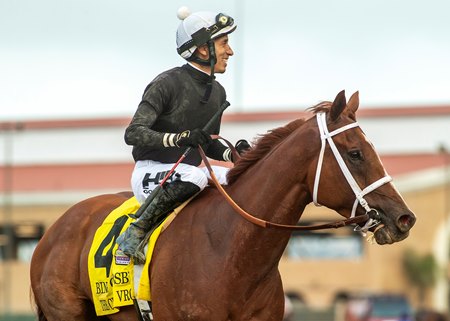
266	224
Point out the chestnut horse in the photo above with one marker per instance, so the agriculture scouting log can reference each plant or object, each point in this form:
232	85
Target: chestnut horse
211	264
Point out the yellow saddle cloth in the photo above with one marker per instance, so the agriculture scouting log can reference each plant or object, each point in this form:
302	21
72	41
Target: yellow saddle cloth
110	271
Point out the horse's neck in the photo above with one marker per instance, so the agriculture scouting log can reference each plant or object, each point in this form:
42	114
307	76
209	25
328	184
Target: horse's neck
273	189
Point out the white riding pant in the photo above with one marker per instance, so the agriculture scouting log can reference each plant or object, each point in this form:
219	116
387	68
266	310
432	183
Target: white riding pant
148	174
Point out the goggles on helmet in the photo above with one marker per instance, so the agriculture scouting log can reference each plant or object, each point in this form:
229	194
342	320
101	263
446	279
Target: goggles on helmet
203	35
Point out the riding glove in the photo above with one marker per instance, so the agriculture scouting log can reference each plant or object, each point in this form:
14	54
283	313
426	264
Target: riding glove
193	138
242	146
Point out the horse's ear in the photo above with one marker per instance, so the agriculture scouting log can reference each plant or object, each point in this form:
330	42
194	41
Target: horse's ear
353	102
338	105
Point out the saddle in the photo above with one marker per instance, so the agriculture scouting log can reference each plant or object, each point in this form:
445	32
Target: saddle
114	278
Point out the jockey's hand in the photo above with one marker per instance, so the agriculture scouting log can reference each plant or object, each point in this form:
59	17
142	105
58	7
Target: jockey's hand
242	146
193	138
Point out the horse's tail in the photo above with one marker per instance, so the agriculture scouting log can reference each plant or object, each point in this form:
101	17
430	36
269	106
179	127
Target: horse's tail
37	308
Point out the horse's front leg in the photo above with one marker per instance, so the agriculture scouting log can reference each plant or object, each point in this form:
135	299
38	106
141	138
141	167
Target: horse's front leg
266	303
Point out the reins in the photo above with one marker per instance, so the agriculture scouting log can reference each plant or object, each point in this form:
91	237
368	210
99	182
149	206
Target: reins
325	137
266	224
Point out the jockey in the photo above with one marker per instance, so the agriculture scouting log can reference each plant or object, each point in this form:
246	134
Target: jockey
175	107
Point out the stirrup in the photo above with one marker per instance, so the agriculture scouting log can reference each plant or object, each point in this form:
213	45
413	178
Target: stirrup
139	255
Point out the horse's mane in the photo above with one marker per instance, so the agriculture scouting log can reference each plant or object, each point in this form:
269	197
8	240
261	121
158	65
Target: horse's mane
264	143
323	106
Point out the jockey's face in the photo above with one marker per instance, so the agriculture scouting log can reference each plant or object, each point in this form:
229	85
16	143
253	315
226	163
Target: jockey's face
223	52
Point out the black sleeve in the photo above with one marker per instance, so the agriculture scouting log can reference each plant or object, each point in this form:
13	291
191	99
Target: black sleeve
218	151
139	132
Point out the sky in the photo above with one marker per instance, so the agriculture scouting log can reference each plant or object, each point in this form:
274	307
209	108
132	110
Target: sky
62	59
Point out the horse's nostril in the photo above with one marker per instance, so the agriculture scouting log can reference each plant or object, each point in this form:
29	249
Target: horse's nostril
405	222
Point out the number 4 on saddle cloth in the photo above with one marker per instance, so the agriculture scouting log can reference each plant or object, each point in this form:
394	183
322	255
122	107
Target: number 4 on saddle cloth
111	273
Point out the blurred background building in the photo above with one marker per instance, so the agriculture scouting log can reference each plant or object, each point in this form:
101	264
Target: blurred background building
47	166
73	72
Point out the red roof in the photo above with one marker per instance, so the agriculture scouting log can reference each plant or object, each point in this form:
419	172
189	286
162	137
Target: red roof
117	175
397	165
59	177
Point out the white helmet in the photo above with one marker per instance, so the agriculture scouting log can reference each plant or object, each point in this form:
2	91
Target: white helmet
198	28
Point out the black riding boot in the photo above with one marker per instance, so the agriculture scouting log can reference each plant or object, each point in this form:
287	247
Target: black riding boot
171	196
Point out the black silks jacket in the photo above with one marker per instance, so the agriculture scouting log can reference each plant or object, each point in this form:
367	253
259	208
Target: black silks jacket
171	104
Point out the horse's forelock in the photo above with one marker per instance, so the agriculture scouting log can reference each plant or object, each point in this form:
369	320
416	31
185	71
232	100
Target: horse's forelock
262	145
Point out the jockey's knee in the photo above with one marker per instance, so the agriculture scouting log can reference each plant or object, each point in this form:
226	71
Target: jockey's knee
196	176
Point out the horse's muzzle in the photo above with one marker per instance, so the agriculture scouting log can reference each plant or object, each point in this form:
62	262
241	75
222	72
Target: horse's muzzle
394	229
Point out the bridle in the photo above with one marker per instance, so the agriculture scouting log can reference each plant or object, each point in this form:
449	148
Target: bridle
326	136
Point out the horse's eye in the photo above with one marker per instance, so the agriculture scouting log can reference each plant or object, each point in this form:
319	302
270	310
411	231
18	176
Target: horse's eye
355	155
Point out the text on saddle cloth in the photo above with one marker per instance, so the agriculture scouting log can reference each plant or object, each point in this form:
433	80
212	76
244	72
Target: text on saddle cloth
111	273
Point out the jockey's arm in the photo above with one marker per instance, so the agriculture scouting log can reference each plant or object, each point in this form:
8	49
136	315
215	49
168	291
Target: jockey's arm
139	132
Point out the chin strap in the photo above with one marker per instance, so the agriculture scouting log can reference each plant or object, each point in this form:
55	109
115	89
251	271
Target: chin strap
212	63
